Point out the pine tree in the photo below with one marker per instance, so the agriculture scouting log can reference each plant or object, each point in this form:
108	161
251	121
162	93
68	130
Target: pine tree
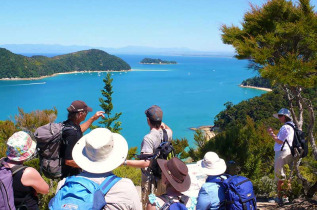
107	106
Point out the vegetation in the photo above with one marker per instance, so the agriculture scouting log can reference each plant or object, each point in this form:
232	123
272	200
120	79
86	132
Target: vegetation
13	65
280	39
257	82
156	61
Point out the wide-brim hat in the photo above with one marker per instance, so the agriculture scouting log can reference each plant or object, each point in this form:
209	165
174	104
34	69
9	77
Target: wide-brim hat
284	112
20	146
176	172
212	165
100	151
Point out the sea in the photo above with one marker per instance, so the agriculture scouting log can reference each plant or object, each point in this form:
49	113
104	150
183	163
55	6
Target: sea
190	93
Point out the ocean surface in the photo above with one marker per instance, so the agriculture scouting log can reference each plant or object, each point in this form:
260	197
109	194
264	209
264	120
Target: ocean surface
190	93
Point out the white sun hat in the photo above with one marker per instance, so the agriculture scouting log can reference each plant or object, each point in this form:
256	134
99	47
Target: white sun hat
212	165
100	151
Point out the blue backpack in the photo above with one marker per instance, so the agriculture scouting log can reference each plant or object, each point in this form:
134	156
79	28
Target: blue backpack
82	193
238	193
169	203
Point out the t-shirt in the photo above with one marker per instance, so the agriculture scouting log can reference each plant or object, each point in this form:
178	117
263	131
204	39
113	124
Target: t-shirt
286	133
123	195
152	140
70	137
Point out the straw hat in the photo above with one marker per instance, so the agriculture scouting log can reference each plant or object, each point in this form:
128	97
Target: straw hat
100	151
20	146
176	173
212	165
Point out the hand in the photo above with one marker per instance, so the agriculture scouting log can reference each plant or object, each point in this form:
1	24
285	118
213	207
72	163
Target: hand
98	114
163	125
270	131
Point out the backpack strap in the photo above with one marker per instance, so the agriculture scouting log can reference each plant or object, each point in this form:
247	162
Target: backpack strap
169	201
165	137
106	185
290	124
16	169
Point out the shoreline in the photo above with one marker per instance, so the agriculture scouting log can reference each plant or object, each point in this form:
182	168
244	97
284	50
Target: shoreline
254	87
56	74
207	129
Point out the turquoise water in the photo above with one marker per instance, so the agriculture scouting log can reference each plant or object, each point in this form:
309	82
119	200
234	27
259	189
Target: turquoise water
190	93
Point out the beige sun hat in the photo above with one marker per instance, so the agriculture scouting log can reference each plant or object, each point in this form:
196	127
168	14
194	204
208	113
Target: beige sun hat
100	151
212	165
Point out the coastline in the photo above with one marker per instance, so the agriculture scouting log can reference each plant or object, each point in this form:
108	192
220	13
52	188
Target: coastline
254	87
207	129
56	74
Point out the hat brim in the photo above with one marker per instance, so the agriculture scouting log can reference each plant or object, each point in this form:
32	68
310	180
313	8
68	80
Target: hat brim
275	115
219	168
180	187
25	155
89	109
115	159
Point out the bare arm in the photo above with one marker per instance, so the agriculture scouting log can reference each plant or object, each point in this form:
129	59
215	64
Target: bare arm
270	130
71	163
138	163
84	126
32	178
151	206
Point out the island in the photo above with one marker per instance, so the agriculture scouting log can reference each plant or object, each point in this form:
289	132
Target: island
14	66
156	61
257	83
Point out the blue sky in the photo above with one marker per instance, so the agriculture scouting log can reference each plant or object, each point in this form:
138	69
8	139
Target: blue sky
190	24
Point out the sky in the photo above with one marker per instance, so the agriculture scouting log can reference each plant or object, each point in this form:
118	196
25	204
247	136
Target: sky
193	24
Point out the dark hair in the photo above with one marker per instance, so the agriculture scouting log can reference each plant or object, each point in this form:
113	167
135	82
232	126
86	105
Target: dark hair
72	116
156	124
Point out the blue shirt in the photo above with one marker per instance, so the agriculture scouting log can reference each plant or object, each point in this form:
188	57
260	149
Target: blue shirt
210	194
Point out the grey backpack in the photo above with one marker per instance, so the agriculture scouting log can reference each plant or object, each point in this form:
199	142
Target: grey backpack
49	141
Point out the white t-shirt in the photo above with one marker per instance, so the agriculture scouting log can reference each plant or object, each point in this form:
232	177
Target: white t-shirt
286	133
153	139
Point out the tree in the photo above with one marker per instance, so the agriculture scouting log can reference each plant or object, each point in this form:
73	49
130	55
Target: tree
280	39
107	106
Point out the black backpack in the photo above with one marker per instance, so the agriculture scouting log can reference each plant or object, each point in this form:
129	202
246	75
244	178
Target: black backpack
299	142
49	142
164	151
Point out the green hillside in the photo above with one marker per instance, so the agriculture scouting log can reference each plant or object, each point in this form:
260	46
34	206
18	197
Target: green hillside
13	65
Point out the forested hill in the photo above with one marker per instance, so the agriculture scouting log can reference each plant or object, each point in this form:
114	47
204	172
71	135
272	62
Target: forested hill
13	65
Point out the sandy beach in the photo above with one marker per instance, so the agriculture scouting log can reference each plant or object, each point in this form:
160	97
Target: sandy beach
53	75
207	129
259	88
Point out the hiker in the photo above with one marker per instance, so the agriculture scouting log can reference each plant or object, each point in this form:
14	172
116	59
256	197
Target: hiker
27	181
176	178
282	150
150	143
211	194
77	113
98	153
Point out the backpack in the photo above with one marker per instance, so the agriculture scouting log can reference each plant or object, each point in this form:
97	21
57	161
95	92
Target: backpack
299	142
164	151
239	193
49	141
6	189
82	193
170	204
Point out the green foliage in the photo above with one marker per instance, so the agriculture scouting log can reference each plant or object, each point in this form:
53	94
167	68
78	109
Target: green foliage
107	106
156	61
179	146
129	172
13	65
281	39
257	82
200	142
265	186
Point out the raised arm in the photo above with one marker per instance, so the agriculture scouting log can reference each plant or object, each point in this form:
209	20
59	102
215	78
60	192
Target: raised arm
137	163
84	126
32	178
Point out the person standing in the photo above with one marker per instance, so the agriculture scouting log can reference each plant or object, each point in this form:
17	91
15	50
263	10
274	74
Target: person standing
77	113
283	141
27	181
150	143
98	153
211	194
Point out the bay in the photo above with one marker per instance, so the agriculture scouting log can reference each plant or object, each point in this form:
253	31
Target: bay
190	93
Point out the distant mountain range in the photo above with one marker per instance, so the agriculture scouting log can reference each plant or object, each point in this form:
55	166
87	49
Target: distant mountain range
61	49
